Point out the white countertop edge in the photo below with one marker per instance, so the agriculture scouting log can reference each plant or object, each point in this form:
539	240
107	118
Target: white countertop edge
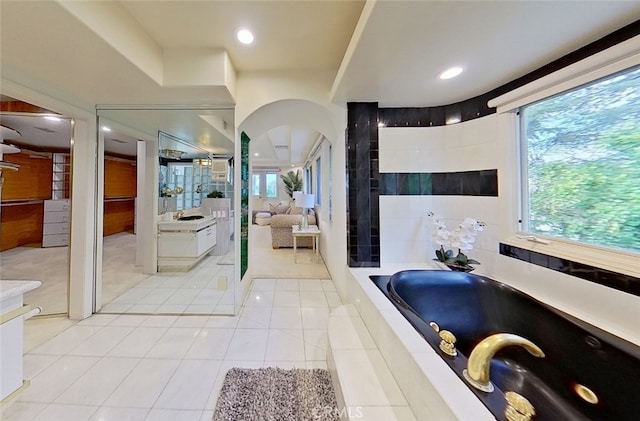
193	225
14	288
461	401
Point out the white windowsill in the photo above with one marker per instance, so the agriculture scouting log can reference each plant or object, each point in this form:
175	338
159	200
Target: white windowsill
616	261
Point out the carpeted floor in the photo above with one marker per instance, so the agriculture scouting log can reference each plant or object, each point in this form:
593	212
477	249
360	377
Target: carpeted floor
269	263
276	394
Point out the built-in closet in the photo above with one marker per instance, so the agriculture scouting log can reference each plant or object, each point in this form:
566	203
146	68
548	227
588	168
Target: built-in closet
35	202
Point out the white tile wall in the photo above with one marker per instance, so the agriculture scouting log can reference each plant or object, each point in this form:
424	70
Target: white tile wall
484	143
405	230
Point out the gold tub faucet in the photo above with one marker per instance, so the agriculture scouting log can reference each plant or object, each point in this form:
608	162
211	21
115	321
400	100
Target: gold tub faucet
477	371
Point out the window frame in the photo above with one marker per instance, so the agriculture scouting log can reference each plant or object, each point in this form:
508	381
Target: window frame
266	185
262	184
256	179
524	167
318	181
624	261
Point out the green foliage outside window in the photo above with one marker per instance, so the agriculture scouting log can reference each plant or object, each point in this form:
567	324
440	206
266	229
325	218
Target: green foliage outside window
255	185
583	162
272	184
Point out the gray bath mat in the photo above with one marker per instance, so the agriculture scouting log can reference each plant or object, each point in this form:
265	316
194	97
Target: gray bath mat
275	394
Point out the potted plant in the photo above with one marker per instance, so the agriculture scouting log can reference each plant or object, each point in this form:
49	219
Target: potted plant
215	194
462	238
292	182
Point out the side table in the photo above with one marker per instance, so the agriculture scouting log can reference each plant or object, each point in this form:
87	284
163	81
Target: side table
312	231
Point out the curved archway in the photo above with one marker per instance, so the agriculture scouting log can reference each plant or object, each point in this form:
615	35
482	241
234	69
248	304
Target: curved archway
326	120
289	112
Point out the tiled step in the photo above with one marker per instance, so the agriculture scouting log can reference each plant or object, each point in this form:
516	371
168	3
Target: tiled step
364	386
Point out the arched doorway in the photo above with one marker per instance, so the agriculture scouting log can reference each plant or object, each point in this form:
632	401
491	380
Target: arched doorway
295	120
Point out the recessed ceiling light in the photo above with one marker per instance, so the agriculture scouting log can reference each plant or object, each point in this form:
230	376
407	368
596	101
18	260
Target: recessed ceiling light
256	154
450	73
106	129
245	36
52	118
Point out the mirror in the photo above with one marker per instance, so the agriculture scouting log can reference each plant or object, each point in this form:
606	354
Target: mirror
193	271
35	178
188	175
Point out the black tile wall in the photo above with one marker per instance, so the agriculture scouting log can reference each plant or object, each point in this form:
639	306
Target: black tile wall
365	183
619	281
437	116
467	183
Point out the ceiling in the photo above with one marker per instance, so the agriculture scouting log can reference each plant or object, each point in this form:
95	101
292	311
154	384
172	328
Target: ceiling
386	51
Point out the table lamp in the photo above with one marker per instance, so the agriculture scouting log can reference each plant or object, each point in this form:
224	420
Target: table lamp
305	201
296	196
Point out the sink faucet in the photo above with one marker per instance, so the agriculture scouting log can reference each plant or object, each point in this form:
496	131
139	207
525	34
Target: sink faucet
477	371
178	215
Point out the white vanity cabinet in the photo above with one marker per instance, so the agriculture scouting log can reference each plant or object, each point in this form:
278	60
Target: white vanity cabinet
206	239
12	315
55	228
182	244
221	210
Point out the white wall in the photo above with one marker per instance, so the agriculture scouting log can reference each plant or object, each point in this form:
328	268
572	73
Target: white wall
485	143
267	100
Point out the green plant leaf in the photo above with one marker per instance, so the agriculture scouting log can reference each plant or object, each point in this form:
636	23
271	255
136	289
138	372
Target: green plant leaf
215	194
462	259
292	182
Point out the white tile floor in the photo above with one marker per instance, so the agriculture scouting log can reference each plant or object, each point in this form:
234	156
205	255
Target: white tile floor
127	290
193	292
131	367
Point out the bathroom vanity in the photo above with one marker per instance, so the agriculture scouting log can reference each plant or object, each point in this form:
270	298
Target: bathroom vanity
12	316
183	243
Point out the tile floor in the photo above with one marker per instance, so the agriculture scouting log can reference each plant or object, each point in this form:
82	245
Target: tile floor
49	265
131	367
193	292
125	289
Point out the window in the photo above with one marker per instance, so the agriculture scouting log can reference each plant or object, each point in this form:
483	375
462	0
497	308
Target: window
264	184
318	180
581	163
272	184
255	185
308	178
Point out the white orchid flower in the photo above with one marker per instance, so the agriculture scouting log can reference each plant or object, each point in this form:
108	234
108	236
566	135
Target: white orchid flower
462	238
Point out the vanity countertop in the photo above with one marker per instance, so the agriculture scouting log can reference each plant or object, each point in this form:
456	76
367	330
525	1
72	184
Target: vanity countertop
9	289
192	225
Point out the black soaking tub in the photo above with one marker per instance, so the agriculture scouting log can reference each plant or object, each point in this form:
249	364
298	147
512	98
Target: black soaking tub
586	374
